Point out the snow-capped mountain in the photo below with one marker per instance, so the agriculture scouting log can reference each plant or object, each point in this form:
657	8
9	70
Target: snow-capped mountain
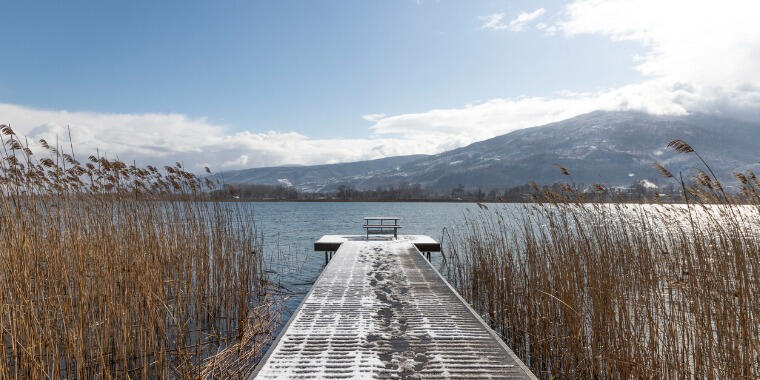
320	177
613	148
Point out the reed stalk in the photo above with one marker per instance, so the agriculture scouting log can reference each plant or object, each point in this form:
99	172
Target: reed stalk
614	290
111	270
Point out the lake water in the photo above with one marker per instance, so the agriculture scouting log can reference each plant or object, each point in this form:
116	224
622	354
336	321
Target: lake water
290	229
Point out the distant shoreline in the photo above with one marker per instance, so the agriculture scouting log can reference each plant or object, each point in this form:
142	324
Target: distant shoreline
441	201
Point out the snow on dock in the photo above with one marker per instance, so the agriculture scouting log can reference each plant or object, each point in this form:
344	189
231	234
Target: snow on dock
331	243
380	310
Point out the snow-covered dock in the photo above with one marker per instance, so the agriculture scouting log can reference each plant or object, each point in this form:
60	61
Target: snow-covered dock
380	310
331	243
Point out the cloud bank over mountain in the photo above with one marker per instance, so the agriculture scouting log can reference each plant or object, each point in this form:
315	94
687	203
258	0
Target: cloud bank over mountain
168	138
700	57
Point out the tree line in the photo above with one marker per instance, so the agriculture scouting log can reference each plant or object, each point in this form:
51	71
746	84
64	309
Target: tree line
406	192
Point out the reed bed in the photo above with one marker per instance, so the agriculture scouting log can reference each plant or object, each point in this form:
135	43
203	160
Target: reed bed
110	270
613	290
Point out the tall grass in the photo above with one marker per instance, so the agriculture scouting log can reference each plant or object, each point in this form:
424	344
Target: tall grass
110	270
612	290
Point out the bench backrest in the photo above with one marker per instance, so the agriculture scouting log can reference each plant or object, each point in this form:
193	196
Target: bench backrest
381	221
381	225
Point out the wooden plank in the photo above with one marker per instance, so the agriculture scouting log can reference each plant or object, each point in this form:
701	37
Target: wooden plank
380	310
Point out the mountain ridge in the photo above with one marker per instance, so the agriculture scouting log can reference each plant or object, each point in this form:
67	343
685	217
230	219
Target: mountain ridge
609	147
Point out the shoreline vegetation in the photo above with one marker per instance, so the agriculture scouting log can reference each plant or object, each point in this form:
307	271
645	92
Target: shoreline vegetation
636	192
598	290
586	201
114	271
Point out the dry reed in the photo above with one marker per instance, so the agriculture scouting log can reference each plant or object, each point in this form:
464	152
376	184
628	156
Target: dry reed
612	290
113	271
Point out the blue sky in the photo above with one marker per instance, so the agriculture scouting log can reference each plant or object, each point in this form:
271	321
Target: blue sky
374	78
314	67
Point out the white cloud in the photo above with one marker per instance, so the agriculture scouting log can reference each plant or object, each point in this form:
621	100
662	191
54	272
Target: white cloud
161	139
373	117
238	162
709	43
494	21
710	47
460	126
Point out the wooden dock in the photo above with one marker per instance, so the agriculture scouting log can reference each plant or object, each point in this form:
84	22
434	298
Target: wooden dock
380	310
330	243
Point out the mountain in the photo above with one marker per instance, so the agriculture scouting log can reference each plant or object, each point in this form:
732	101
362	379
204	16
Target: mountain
321	177
612	148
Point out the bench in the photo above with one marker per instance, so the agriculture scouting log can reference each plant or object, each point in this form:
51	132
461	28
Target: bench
381	225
